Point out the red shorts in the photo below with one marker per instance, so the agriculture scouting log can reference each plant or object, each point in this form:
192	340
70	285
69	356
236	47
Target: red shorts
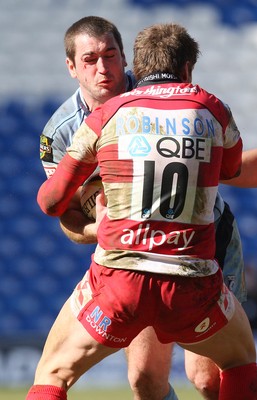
115	305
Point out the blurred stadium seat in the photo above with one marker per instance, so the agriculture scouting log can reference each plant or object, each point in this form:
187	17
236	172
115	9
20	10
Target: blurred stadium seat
39	267
232	12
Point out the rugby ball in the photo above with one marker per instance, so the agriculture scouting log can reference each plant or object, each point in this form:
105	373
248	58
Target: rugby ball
89	191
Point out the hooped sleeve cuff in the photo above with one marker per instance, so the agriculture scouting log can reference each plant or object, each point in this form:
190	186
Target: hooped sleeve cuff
54	194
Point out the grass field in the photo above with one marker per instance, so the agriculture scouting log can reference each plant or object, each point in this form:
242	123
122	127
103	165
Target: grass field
106	394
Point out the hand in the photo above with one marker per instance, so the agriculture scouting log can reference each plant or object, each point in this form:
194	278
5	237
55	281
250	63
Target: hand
76	226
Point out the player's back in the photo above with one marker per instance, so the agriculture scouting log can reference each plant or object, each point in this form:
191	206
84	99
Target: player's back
160	152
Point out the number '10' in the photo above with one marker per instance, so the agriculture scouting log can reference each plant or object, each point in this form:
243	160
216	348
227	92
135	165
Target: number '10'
173	189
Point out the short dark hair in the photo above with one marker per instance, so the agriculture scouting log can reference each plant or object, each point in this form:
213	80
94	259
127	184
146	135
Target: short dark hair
163	48
93	26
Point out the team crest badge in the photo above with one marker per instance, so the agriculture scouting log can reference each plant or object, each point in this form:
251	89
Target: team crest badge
46	152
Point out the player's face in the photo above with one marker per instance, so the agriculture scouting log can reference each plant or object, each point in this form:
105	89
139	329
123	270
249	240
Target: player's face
99	68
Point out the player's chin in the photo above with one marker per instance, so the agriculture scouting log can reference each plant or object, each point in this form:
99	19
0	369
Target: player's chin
108	92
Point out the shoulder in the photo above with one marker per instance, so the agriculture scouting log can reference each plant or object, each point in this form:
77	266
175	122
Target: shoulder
60	129
67	118
216	106
131	81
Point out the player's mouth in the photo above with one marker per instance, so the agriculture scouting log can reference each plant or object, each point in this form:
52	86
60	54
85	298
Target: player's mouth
105	82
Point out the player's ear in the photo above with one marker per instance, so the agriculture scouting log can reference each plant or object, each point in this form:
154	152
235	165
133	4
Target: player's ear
124	60
186	74
71	68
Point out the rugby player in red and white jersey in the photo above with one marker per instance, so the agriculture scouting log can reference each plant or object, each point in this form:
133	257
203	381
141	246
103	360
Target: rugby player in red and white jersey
161	149
56	137
92	56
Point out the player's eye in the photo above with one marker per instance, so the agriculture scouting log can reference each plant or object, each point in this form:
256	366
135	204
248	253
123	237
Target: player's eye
90	60
110	55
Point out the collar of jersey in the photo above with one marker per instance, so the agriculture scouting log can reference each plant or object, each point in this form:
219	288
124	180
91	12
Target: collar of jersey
158	77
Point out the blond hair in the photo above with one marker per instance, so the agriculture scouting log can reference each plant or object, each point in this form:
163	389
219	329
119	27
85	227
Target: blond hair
163	48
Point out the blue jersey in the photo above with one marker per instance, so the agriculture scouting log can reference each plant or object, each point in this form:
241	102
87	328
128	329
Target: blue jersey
58	132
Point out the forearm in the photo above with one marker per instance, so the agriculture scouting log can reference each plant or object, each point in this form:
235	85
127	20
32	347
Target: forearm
248	175
77	227
55	193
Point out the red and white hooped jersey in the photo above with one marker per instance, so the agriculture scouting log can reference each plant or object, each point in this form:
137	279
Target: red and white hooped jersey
162	150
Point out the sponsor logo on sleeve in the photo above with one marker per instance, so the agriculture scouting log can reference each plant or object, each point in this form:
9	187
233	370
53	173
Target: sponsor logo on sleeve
46	151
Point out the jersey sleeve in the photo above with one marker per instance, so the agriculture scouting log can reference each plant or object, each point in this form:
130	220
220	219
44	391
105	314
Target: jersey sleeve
76	166
49	148
55	193
232	150
58	132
